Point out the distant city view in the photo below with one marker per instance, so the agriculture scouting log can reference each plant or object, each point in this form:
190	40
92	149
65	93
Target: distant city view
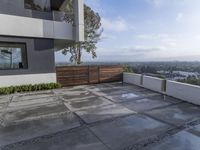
188	72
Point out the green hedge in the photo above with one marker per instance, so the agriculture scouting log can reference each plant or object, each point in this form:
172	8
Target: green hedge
28	88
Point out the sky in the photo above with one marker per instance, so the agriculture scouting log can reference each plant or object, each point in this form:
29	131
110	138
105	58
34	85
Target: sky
146	30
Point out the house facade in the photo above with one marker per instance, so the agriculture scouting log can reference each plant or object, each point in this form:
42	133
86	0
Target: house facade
30	32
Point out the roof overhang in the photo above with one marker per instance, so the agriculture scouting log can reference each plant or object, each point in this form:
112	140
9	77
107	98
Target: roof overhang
56	4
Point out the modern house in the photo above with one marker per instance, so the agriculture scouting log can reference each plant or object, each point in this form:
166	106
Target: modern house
30	32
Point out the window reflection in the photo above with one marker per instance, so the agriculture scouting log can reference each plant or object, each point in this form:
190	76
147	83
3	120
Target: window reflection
13	56
39	5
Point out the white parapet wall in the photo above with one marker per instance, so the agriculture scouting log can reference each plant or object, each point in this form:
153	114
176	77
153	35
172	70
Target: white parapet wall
183	91
132	78
15	80
152	83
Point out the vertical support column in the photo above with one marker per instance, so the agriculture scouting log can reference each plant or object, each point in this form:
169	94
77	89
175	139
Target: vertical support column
79	19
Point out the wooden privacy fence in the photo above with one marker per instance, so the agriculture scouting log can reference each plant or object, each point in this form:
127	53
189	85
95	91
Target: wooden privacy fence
79	75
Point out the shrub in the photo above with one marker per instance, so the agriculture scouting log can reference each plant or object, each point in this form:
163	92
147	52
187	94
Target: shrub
28	88
128	69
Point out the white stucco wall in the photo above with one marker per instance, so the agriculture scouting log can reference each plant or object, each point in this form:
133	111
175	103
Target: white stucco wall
14	80
186	92
11	25
79	19
153	83
132	78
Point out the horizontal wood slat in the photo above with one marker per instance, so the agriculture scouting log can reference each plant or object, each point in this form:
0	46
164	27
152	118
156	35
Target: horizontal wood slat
80	75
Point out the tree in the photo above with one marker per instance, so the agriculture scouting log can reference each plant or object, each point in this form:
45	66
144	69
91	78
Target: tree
92	33
128	69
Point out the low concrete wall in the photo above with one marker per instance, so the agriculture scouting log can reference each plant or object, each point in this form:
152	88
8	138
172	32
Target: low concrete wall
15	80
186	92
132	78
152	83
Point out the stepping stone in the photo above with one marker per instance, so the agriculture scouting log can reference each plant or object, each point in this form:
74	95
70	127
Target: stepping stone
82	104
75	89
134	87
32	95
81	139
33	103
177	114
35	113
124	132
116	91
180	141
77	95
32	129
92	115
168	99
195	130
4	99
130	96
142	105
100	87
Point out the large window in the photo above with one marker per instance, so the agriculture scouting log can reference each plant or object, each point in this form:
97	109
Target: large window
13	56
40	5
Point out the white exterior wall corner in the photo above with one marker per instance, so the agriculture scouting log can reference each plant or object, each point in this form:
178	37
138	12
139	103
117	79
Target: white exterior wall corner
132	78
79	20
183	91
153	83
15	80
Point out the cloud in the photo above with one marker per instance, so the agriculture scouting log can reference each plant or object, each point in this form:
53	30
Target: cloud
157	2
95	4
116	25
108	36
141	49
179	16
130	51
165	40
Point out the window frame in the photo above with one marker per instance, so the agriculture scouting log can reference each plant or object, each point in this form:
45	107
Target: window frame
26	55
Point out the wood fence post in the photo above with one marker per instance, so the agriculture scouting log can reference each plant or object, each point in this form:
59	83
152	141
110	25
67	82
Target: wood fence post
99	74
88	74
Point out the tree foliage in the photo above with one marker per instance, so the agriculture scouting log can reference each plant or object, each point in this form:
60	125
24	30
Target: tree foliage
191	80
92	31
128	69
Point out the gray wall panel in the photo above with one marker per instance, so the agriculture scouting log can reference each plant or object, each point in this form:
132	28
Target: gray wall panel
39	61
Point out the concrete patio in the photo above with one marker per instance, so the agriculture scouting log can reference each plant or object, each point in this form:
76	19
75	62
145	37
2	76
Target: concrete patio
107	116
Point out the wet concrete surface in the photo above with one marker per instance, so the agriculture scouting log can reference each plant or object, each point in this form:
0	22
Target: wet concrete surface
32	95
81	139
129	96
50	110
86	103
102	113
179	114
122	132
195	130
181	141
149	103
27	130
108	116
